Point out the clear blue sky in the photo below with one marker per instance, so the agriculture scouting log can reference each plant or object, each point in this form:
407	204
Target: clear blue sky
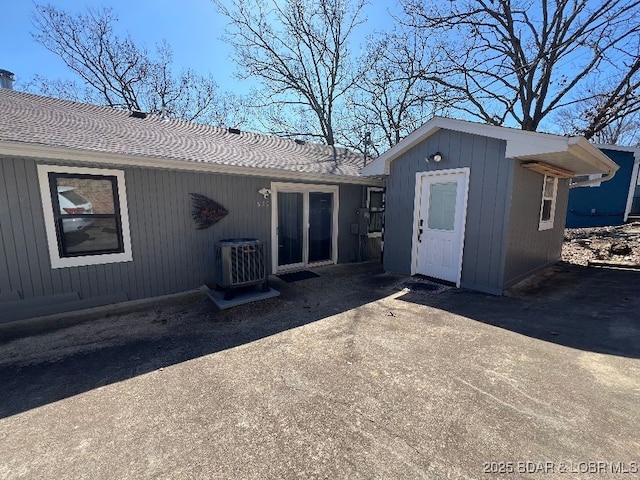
192	27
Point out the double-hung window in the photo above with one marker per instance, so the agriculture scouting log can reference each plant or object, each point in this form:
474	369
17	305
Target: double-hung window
375	203
85	214
548	205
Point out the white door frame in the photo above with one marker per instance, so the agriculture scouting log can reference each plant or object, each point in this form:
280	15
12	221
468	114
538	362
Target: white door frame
305	189
417	205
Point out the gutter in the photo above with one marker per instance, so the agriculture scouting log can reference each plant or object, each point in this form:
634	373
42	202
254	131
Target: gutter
610	174
583	149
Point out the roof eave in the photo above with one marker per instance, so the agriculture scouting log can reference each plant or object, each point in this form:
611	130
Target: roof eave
56	153
588	153
382	164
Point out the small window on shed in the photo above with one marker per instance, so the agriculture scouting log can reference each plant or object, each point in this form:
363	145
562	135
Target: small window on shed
548	204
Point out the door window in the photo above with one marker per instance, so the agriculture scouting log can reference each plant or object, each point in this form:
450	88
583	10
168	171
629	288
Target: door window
442	206
290	223
320	223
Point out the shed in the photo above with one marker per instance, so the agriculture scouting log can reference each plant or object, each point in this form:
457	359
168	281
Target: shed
478	205
95	203
599	204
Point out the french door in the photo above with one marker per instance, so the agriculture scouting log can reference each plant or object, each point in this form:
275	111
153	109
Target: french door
304	225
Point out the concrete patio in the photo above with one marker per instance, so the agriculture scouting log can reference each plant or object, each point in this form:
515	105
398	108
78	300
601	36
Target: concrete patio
342	376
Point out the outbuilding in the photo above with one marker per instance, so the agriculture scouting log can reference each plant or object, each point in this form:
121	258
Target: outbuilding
478	205
96	204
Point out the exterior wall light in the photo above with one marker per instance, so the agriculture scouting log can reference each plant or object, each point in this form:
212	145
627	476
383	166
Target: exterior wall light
436	157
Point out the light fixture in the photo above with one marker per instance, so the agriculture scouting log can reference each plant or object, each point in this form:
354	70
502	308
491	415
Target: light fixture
265	192
436	157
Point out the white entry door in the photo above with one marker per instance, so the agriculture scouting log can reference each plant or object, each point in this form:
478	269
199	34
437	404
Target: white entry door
441	211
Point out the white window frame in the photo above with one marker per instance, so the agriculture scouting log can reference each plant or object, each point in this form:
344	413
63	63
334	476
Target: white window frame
47	208
305	189
548	224
369	190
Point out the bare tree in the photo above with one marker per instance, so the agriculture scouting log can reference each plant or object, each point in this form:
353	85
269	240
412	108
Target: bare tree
600	120
300	50
519	61
395	95
118	73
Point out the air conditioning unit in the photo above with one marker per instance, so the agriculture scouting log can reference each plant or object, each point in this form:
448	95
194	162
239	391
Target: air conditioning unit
240	262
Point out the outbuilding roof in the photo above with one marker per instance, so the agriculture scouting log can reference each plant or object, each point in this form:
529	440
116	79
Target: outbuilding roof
573	154
42	127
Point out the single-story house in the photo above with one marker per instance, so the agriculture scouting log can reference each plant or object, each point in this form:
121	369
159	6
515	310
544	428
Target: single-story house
96	204
599	204
478	205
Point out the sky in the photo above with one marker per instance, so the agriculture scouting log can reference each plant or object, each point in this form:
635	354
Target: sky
191	27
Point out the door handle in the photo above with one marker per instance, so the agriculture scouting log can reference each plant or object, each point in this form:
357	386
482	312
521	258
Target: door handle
419	235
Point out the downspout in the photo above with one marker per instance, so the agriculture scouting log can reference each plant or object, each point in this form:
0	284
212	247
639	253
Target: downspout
610	174
632	185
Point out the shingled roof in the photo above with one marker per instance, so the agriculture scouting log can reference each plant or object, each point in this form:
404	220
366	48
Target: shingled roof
32	120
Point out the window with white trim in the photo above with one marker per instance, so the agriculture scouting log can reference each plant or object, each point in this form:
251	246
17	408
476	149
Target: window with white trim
548	204
375	204
85	214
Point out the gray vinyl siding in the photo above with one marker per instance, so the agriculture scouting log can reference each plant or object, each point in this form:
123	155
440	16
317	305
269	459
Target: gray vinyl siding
487	210
529	249
169	254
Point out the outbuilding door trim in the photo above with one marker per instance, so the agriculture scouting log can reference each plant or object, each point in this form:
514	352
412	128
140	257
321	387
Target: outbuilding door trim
416	214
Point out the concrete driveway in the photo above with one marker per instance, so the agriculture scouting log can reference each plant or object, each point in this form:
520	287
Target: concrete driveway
342	376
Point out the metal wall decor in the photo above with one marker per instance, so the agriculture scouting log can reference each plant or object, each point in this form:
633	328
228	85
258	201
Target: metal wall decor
205	211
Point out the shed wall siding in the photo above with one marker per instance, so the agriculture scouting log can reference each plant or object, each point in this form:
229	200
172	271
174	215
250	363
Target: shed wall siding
169	254
529	249
487	211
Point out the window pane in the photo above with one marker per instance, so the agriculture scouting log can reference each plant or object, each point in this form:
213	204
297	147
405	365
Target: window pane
375	221
375	200
548	186
95	195
546	210
442	206
90	235
320	226
290	211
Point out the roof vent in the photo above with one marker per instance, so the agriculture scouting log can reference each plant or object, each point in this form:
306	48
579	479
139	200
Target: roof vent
6	79
300	142
138	114
234	130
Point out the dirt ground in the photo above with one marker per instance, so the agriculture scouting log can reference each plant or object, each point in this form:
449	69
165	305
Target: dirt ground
617	244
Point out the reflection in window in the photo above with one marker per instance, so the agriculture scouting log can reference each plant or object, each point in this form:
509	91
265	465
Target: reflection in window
375	203
86	214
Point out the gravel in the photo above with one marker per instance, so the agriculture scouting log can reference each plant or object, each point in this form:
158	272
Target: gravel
601	243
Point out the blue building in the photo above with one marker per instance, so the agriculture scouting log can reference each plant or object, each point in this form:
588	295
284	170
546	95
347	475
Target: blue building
607	203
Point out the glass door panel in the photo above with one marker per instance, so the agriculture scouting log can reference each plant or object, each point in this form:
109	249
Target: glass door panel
442	206
290	228
320	226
